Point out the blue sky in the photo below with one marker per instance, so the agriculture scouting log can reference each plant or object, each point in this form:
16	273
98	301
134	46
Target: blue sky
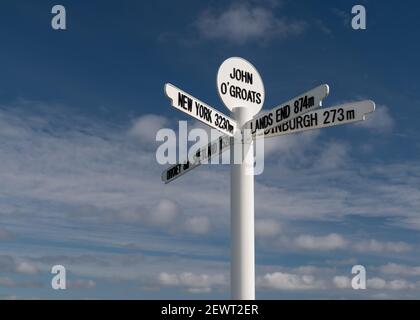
80	185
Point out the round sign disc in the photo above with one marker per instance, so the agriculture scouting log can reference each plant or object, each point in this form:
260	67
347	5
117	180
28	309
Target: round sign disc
240	85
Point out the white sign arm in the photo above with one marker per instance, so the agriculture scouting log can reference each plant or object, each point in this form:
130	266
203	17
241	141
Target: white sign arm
322	118
293	108
213	149
200	110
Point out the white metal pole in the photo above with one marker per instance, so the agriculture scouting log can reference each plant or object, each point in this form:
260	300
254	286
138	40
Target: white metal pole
242	271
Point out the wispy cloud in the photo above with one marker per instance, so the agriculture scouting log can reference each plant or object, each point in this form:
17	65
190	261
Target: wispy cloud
241	23
287	281
193	283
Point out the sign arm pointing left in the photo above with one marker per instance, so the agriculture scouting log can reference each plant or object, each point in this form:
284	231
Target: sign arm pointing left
200	110
204	154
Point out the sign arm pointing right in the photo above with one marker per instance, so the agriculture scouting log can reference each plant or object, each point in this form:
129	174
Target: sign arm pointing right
323	118
286	111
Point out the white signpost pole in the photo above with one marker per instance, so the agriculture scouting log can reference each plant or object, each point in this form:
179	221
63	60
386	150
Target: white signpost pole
241	89
242	214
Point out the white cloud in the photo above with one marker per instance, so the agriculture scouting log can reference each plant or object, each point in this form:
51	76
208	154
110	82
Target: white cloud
376	283
380	247
10	264
26	268
292	145
165	213
399	269
198	225
342	282
334	156
380	121
81	284
267	228
332	241
145	127
400	285
241	23
193	283
288	281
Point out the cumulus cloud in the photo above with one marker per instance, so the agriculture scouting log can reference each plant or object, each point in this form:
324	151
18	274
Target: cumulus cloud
145	127
332	241
288	281
165	213
380	121
242	23
193	283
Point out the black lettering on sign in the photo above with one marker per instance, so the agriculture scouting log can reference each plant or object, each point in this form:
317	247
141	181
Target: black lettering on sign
203	112
244	94
350	114
223	123
240	75
173	172
311	101
300	122
184	102
258	96
334	115
186	166
263	122
230	127
283	113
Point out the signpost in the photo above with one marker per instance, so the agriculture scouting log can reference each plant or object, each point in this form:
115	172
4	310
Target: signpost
242	91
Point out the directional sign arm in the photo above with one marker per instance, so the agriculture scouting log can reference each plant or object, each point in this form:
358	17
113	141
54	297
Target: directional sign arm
213	149
304	103
177	170
322	118
200	110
